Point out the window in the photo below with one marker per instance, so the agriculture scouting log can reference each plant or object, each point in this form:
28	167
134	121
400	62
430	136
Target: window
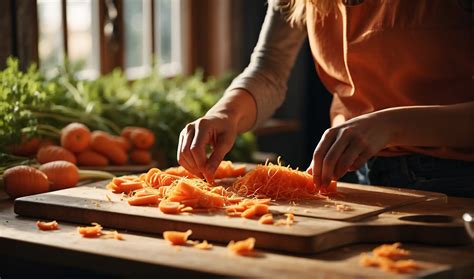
151	30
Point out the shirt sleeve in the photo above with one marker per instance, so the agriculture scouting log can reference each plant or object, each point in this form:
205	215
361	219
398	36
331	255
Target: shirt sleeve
266	77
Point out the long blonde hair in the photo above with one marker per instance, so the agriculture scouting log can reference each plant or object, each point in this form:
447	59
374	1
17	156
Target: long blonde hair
296	10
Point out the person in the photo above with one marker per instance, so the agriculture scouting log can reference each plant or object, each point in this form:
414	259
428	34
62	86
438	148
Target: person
402	78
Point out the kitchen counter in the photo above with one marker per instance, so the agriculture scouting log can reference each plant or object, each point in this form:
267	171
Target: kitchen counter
26	250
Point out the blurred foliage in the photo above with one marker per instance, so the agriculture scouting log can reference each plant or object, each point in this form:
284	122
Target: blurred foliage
39	106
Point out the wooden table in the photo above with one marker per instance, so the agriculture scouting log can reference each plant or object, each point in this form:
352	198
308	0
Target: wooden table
26	250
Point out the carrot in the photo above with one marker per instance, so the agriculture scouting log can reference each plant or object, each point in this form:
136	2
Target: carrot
255	210
266	219
392	251
242	247
91	158
46	142
124	143
142	138
54	153
156	178
169	207
75	137
24	181
177	238
47	226
331	189
101	143
91	231
185	190
179	171
125	187
26	148
61	174
143	200
140	157
127	132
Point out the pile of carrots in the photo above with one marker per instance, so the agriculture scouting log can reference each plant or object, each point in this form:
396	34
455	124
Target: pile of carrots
82	147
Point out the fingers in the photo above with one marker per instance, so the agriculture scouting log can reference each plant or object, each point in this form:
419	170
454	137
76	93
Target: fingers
185	157
202	136
347	159
360	161
332	157
223	145
322	148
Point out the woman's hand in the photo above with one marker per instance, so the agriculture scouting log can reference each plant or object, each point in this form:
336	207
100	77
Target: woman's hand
348	146
232	114
215	129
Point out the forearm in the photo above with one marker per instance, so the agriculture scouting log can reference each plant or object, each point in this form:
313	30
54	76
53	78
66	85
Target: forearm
239	106
432	126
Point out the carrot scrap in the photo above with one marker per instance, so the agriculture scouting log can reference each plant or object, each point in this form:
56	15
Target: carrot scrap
170	207
386	257
47	226
266	219
391	251
242	247
143	199
177	238
255	210
91	231
203	245
113	234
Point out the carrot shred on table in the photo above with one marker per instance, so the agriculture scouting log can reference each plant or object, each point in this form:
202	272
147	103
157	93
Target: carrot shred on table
177	238
169	207
91	231
242	247
113	234
47	226
277	182
386	257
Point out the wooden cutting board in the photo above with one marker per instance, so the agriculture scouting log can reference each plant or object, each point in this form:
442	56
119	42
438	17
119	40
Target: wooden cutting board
318	227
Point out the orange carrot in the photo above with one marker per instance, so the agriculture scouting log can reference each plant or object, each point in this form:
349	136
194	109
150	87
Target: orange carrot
392	251
185	190
47	226
170	207
203	245
125	187
90	232
61	174
177	238
142	138
266	219
23	181
255	210
75	137
331	189
54	153
143	200
124	143
140	157
127	132
242	247
101	143
179	171
26	148
91	158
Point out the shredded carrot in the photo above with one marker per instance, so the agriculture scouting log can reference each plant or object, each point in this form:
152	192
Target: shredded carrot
47	226
266	219
242	247
277	182
90	232
392	251
177	238
185	189
255	210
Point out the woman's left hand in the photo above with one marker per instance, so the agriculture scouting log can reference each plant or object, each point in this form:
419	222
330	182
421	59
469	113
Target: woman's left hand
348	146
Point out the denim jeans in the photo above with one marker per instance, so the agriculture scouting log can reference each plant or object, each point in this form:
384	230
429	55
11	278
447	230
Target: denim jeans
420	172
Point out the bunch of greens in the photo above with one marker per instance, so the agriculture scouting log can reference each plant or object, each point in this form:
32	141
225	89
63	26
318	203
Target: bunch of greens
38	107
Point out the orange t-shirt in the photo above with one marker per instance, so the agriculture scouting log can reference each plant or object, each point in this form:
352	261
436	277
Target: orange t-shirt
382	54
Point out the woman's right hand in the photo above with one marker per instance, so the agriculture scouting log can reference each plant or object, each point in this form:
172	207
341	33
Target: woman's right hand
215	129
234	113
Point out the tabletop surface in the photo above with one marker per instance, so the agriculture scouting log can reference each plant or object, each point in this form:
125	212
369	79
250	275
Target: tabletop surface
143	254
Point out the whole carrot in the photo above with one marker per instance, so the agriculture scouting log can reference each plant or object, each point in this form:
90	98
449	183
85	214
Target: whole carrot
75	137
101	143
54	153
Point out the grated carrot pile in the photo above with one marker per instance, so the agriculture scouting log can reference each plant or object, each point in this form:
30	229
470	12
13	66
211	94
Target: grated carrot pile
280	183
386	257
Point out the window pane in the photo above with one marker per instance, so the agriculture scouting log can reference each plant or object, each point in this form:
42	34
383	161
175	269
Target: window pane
137	19
168	32
51	49
83	39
